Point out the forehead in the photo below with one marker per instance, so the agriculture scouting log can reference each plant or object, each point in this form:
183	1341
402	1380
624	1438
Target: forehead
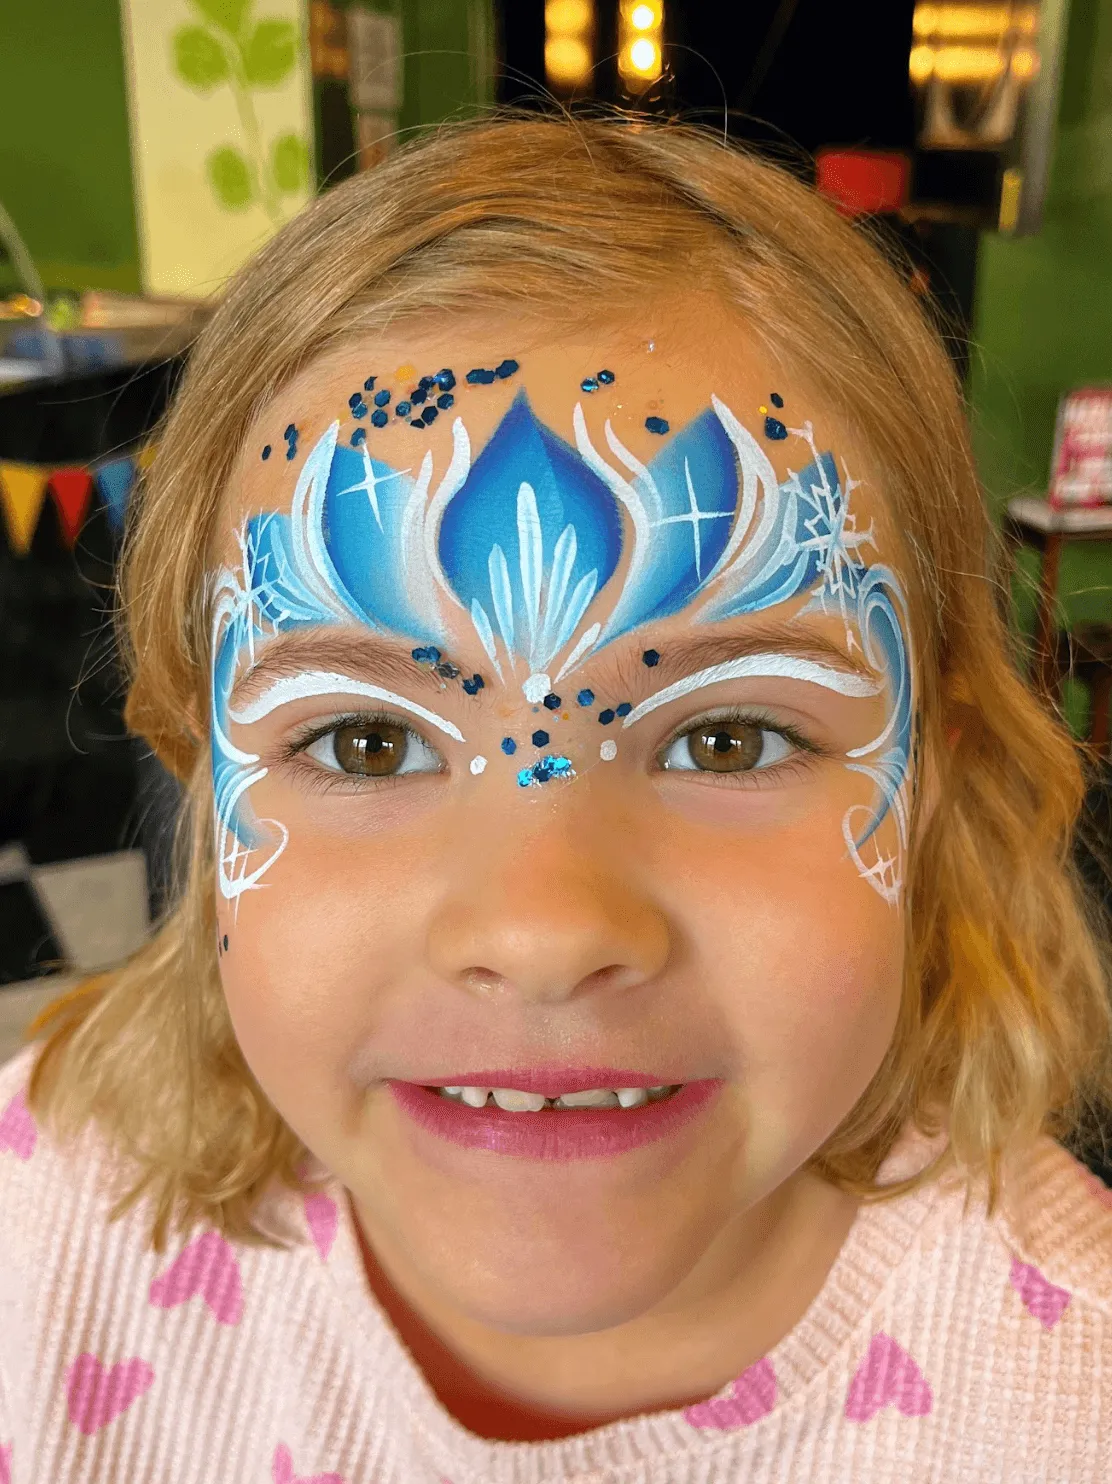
660	372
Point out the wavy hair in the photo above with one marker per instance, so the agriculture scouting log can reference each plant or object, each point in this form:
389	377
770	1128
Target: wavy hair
1005	1024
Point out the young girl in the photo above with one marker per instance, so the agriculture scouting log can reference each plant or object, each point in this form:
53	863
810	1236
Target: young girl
629	994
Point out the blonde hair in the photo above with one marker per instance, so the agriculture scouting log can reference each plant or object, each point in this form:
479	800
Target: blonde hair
1005	1026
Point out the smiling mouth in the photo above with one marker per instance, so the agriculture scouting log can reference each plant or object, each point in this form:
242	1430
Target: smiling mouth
513	1100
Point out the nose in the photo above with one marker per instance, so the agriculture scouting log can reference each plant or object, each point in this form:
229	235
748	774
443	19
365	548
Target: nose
547	915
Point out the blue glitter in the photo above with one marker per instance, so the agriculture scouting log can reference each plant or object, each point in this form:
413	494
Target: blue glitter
509	746
625	708
479	377
359	437
606	717
474	686
291	431
415	422
359	408
369	384
775	429
382	398
445	379
776	399
589	384
544	771
290	435
586	698
447	671
540	739
421	394
657	424
354	400
429	415
650	658
427	654
427	383
445	401
379	418
266	452
606	377
505	368
402	409
552	702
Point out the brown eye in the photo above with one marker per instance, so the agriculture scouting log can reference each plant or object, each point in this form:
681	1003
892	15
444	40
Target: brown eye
727	747
374	751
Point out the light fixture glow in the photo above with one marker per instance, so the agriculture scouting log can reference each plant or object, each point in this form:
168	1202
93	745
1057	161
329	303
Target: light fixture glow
642	17
643	55
567	17
567	60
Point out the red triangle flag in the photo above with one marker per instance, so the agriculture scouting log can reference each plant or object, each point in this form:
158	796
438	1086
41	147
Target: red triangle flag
71	491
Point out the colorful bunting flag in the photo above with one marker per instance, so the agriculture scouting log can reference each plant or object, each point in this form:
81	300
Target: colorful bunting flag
71	491
114	481
22	491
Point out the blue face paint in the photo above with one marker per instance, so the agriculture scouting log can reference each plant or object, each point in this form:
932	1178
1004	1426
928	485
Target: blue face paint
521	539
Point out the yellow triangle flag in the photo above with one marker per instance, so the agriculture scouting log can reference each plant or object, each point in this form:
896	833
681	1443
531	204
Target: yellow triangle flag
22	490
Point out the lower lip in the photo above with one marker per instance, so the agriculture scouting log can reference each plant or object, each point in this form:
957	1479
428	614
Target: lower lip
559	1134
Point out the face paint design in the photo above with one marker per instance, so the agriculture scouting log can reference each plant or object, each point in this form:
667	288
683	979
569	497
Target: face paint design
521	540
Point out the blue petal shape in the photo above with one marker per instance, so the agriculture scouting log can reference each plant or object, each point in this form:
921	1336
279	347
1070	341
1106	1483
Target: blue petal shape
530	536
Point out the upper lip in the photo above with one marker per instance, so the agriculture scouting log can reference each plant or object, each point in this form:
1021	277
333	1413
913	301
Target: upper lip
552	1082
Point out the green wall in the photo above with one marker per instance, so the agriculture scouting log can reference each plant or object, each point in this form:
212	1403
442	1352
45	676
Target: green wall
65	172
1044	307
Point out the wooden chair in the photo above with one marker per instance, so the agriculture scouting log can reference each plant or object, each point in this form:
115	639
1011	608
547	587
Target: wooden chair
1085	652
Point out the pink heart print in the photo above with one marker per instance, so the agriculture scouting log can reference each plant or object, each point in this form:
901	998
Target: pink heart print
207	1266
18	1133
6	1463
95	1396
1040	1297
281	1470
752	1396
887	1376
1097	1187
322	1218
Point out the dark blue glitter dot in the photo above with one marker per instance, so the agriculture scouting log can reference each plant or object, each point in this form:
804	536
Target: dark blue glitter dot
586	698
359	409
420	395
543	770
415	422
402	409
474	685
445	379
291	452
540	739
266	452
480	377
552	702
426	654
775	429
606	717
509	746
505	368
776	399
379	418
369	384
382	398
427	383
589	384
625	708
359	437
606	377
291	431
657	424
355	399
429	415
445	401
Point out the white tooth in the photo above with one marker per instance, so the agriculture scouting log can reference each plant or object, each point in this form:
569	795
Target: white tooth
514	1101
632	1097
475	1097
663	1087
454	1090
599	1097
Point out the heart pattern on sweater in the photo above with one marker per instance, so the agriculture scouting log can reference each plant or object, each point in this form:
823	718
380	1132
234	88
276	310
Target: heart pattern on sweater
1096	1187
1040	1297
887	1376
281	1470
96	1396
322	1218
207	1266
752	1396
18	1132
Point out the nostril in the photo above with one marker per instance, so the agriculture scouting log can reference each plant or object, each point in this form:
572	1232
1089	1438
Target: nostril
482	980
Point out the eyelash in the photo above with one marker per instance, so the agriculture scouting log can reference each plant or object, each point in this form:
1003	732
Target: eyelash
321	778
752	717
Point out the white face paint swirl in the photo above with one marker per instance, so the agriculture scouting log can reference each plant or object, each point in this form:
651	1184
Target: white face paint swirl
327	683
760	666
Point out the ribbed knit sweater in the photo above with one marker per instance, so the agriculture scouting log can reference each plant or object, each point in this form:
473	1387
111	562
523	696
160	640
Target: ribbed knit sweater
941	1347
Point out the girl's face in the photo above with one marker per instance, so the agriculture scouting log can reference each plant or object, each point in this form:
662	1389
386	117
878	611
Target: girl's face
560	743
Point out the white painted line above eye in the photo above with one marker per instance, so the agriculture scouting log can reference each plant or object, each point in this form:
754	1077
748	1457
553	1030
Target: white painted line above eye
760	667
326	683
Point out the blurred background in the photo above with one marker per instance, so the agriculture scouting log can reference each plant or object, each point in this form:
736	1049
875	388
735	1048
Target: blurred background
148	147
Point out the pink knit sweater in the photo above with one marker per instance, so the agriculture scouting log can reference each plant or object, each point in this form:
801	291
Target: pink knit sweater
940	1349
